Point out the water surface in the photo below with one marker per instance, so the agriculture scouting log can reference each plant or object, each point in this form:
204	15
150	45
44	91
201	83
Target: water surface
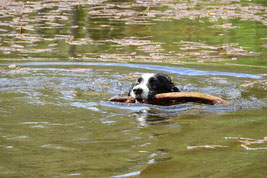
61	60
55	117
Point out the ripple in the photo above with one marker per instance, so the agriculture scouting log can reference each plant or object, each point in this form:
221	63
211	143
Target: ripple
176	70
128	174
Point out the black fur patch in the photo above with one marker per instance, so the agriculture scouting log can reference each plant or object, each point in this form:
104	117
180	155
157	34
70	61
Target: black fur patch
158	83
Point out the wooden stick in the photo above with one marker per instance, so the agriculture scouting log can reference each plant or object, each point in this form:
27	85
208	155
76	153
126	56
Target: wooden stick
190	97
177	97
127	99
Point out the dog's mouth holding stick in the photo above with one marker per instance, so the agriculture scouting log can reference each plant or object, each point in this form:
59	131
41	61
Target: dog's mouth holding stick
176	97
159	89
148	85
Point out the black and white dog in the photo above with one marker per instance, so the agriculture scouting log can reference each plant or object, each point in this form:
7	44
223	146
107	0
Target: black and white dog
150	84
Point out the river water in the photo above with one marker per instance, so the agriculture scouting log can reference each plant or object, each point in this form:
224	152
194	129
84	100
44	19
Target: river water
61	60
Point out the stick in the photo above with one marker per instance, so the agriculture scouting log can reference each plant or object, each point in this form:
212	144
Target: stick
190	97
123	99
176	97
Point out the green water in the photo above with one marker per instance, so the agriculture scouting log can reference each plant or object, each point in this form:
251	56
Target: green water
73	55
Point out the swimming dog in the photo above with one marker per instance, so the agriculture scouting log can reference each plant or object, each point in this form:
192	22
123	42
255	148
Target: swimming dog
150	84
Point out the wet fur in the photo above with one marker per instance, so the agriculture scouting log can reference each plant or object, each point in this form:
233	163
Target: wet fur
150	85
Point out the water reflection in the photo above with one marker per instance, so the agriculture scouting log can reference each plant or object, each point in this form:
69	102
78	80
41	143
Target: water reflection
59	111
128	174
141	31
146	118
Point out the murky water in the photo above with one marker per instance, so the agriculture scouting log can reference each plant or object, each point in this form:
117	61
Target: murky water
55	121
61	60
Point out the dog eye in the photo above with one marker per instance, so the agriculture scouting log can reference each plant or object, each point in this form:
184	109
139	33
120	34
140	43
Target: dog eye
139	80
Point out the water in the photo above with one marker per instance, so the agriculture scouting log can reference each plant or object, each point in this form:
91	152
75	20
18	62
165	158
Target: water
71	56
56	118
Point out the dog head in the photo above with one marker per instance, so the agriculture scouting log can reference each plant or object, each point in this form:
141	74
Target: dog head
148	85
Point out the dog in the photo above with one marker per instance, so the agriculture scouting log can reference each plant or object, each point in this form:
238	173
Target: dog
150	84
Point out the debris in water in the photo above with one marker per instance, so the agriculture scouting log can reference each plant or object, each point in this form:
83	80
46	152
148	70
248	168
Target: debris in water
205	146
21	29
12	66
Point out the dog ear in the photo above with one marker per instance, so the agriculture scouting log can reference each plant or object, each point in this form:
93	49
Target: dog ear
168	82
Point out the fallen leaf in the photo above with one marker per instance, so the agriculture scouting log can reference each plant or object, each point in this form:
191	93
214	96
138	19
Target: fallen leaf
79	70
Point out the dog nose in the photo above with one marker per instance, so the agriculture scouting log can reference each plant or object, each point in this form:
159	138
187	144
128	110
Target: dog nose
138	90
